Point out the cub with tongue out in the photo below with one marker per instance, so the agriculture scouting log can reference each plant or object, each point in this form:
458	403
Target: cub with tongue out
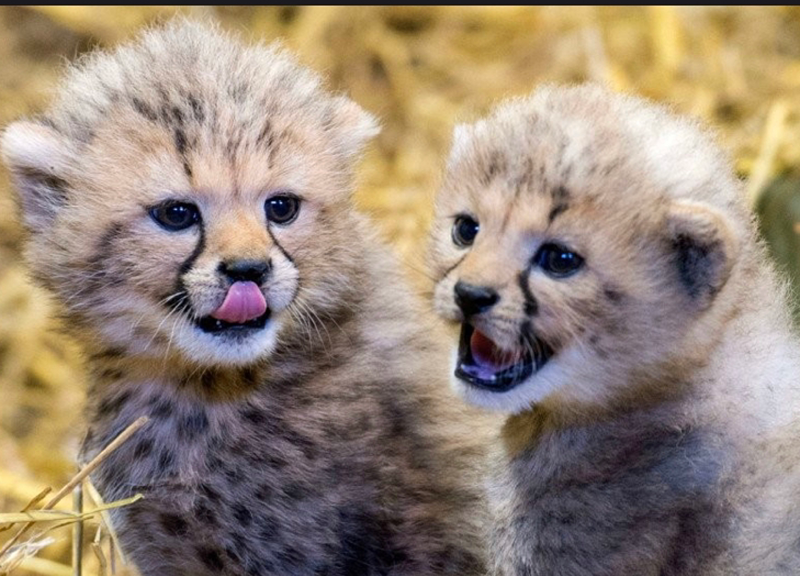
188	201
600	263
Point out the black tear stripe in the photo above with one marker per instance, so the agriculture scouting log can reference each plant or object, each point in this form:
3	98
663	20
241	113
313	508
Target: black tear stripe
531	305
453	267
526	335
180	302
281	248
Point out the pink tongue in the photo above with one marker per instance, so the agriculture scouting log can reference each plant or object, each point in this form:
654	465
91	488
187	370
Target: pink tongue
243	302
488	356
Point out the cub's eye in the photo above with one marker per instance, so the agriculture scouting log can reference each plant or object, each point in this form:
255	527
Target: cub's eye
557	261
282	209
174	215
465	228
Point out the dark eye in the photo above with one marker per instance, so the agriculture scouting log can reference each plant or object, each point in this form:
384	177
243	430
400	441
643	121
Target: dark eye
282	209
465	228
557	261
174	215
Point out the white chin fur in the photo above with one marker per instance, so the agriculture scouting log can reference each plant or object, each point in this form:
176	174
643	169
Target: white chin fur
519	399
219	349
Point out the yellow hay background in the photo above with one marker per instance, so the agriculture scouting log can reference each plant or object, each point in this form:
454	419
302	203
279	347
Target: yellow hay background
419	69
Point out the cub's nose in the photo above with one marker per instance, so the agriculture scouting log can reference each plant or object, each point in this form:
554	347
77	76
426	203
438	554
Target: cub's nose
245	270
474	299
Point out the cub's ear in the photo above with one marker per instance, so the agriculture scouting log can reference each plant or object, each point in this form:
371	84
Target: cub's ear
354	126
460	143
39	161
704	249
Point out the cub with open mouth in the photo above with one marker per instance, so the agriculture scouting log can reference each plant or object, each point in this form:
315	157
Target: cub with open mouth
598	260
189	206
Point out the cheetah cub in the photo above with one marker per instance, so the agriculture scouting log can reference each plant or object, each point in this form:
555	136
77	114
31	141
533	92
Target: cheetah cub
616	308
188	202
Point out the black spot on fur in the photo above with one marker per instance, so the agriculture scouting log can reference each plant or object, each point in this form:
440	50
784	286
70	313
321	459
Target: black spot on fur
560	195
612	294
275	461
197	109
143	448
144	110
173	524
108	354
100	260
250	376
193	425
209	493
110	406
205	513
365	544
180	141
396	419
493	168
214	463
181	144
556	210
296	491
254	416
211	558
111	475
242	515
232	553
266	137
265	492
531	306
233	473
238	92
166	460
162	408
307	446
177	115
268	528
111	374
290	556
208	379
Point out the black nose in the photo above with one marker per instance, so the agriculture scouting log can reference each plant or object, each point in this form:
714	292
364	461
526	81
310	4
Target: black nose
474	299
245	270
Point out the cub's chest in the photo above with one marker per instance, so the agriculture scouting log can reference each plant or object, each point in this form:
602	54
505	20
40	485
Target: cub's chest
611	497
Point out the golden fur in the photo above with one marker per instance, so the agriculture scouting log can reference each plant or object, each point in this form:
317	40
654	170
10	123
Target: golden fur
317	444
658	433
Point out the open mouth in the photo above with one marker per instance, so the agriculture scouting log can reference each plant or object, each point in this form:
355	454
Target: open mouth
244	309
483	364
215	325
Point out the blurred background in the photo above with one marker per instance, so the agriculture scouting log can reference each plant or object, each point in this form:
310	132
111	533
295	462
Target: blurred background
419	69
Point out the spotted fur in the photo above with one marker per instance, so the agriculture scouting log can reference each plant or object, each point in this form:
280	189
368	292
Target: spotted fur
660	436
320	444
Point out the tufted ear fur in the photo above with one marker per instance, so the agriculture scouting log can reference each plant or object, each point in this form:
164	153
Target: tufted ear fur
38	159
460	142
704	249
355	126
